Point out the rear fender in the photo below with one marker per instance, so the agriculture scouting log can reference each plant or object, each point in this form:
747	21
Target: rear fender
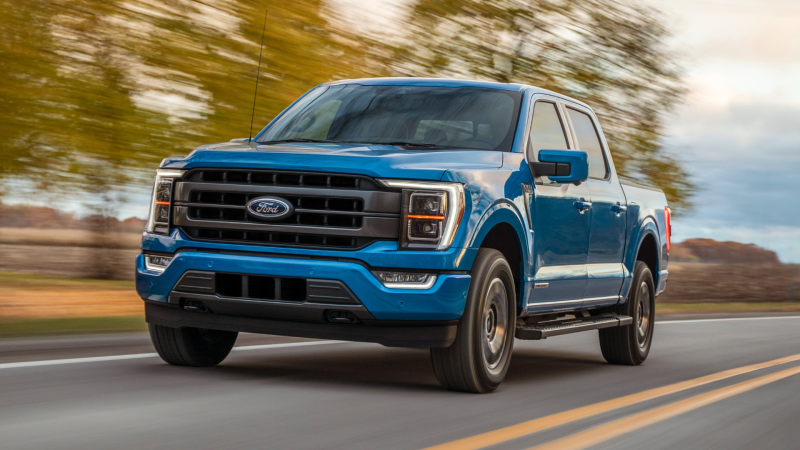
646	227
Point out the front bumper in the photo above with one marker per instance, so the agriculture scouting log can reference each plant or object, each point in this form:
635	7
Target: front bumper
444	301
425	334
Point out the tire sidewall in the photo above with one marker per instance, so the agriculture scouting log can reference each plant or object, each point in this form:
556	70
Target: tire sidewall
642	275
495	267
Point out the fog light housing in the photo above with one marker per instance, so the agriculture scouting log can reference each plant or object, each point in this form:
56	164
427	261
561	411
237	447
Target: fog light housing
406	280
157	263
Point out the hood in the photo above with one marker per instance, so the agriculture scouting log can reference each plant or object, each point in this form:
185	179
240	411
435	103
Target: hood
379	161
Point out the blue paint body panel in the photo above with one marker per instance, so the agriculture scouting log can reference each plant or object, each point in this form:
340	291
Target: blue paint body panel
585	258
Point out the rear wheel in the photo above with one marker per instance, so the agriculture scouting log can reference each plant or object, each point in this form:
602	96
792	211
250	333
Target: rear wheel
192	346
479	358
630	345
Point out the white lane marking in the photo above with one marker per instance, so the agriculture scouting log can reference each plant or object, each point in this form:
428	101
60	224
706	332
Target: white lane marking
728	319
56	362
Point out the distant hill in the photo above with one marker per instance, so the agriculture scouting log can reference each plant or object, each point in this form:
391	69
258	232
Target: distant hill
26	216
711	251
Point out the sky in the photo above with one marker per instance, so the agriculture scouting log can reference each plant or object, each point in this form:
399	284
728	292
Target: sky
739	133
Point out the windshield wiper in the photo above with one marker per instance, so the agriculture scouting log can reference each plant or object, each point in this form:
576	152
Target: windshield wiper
284	141
412	144
395	143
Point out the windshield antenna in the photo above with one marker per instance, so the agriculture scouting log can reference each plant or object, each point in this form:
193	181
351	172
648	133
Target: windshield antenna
258	74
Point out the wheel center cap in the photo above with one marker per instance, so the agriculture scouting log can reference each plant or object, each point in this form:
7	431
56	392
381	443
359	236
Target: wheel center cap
490	322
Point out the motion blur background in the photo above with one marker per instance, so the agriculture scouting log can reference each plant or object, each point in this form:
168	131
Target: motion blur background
697	97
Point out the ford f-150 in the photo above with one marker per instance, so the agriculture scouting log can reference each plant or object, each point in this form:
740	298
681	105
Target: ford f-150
443	214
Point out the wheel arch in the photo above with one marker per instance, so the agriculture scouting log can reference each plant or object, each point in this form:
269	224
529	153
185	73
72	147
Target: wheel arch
501	228
647	250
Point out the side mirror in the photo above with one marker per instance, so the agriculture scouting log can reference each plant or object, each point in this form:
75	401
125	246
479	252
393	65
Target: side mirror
562	166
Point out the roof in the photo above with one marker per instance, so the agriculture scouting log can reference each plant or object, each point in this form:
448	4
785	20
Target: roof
454	83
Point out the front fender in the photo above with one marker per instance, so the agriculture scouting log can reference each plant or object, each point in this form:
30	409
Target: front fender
502	211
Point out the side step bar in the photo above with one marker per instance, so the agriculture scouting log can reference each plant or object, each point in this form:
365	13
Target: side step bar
557	327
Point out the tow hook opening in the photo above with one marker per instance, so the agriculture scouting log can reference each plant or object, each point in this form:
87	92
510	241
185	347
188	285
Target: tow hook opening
195	306
340	316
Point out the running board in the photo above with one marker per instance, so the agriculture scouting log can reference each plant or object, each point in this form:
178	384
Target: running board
555	328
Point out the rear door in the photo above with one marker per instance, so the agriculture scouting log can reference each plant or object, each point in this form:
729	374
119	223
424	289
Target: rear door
560	229
608	225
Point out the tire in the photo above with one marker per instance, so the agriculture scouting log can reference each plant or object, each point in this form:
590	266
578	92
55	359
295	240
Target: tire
192	346
630	345
478	359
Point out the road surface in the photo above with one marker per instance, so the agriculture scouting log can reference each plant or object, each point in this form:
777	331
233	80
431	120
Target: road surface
718	383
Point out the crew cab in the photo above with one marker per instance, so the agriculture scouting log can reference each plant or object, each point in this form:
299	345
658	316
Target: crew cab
444	214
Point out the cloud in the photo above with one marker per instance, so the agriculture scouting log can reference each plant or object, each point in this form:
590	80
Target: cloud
746	157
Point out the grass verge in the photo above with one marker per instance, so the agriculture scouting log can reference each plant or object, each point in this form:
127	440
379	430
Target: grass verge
70	325
732	307
24	281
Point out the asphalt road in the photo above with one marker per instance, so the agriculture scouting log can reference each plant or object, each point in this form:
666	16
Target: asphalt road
350	395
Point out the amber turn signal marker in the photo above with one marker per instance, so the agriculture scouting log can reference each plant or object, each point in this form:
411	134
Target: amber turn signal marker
426	217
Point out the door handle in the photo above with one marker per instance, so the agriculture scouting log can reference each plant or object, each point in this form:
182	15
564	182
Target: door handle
582	205
619	208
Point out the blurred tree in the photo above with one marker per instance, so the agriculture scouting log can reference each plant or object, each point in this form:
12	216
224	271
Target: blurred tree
610	54
29	68
96	92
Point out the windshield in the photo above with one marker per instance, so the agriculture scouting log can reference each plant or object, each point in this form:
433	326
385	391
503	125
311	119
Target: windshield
406	116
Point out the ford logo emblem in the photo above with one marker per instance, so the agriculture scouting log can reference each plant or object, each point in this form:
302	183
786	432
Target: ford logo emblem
269	208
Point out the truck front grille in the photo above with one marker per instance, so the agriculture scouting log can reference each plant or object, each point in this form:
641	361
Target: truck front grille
281	178
330	210
278	239
309	210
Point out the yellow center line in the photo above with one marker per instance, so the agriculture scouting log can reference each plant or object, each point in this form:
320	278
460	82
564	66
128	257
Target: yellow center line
610	430
534	426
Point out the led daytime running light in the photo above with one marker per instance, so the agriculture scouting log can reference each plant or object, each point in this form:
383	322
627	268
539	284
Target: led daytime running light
406	280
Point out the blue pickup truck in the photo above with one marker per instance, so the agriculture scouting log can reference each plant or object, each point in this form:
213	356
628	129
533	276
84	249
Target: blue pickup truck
443	214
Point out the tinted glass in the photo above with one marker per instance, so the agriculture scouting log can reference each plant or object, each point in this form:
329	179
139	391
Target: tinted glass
589	142
546	130
467	118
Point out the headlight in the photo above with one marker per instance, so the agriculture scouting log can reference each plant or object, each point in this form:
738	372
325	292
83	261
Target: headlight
431	213
161	203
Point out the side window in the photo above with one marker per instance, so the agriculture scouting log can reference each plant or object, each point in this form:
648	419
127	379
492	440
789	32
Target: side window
589	142
547	133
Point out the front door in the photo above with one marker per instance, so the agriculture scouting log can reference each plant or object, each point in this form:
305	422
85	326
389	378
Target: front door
560	225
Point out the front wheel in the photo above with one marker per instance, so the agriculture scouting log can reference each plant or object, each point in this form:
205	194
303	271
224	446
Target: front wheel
479	357
192	346
630	345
